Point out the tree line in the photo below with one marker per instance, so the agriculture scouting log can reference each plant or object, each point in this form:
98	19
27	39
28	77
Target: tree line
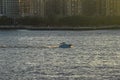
61	21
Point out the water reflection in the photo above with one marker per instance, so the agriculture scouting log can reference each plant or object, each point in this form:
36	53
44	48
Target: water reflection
96	55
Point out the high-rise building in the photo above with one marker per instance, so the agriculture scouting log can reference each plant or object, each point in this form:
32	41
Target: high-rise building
37	7
100	8
50	7
69	7
9	8
62	7
55	7
113	8
89	7
108	7
24	7
32	7
0	7
73	7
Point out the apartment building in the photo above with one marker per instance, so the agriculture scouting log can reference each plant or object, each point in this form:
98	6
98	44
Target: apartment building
74	7
1	8
89	7
108	7
32	7
43	8
100	7
55	8
9	8
24	7
37	7
113	7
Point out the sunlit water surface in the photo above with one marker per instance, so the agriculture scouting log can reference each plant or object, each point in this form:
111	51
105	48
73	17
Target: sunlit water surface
95	55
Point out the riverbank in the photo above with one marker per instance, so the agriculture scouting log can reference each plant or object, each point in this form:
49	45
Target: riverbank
4	27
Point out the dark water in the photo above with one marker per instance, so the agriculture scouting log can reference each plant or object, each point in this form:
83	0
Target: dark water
24	55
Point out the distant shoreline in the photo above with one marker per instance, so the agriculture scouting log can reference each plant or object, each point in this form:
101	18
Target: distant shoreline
7	27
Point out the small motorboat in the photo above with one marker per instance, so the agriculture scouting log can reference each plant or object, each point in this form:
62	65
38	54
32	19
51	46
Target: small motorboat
64	45
61	45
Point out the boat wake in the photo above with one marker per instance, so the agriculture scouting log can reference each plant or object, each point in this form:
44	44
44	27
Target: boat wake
34	46
25	46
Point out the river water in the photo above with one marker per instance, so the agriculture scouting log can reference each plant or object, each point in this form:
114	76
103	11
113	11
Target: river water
24	55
